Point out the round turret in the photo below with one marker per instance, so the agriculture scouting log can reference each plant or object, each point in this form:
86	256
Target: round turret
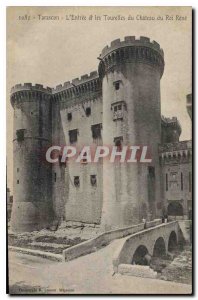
130	71
32	207
171	130
131	50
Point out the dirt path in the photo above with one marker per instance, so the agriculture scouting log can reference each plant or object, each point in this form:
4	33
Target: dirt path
88	274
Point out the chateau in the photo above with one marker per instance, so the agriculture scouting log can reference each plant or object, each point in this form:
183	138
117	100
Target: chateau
118	105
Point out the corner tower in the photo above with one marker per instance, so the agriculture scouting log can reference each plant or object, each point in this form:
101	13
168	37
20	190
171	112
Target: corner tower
171	130
32	207
130	71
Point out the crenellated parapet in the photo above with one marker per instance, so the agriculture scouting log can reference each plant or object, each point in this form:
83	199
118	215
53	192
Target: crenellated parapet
171	152
78	88
129	41
27	91
131	50
29	86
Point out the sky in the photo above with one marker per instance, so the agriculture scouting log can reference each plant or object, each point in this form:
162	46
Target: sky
51	52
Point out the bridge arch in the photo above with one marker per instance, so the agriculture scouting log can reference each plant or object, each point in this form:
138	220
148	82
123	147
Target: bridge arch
159	248
155	240
139	255
172	241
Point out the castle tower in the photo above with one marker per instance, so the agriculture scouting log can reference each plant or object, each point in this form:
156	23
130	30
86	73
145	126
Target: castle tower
171	130
131	71
32	207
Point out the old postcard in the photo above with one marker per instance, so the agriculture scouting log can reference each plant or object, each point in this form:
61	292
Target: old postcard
99	150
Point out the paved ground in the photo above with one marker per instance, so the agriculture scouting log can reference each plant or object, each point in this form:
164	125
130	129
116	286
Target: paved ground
90	274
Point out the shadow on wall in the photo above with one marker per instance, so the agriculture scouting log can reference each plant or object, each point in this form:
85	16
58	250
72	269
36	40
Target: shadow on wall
172	242
159	248
139	257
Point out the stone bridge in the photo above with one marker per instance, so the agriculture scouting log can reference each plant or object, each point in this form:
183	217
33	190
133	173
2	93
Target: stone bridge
155	241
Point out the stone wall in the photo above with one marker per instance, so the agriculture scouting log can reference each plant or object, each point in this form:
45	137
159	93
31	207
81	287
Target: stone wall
82	203
186	229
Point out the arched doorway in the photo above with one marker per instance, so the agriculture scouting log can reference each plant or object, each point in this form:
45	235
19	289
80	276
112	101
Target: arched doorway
175	209
172	242
159	249
139	256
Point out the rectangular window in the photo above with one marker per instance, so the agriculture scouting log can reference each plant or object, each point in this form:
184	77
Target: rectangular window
93	180
117	85
88	111
54	177
96	131
73	136
118	142
118	109
69	116
151	171
166	182
182	183
190	183
20	135
17	181
76	181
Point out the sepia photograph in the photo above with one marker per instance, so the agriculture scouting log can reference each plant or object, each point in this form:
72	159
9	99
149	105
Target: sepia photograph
99	150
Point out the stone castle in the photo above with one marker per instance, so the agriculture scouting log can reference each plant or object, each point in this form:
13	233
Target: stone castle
118	105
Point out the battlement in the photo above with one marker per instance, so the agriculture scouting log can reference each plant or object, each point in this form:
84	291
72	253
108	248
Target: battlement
179	149
77	87
184	145
76	81
131	50
30	87
27	90
171	123
132	41
169	120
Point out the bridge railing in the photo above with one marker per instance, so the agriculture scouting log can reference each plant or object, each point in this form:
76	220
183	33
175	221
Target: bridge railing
103	239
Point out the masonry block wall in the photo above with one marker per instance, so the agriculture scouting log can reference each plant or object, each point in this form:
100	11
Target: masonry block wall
78	186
